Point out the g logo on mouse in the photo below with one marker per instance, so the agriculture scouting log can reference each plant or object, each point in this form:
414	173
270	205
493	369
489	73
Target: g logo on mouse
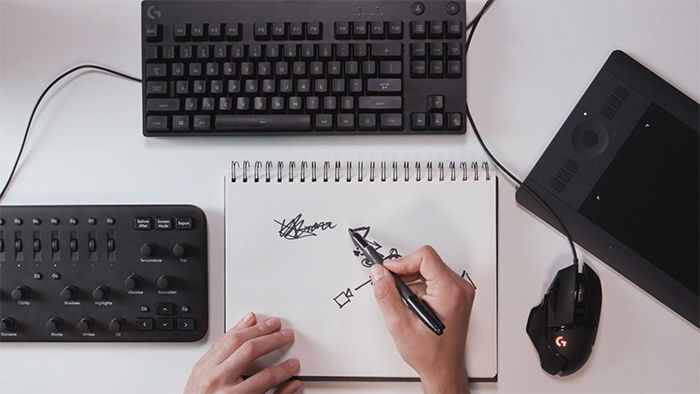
560	341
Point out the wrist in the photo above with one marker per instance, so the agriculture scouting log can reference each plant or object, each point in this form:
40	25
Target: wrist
445	381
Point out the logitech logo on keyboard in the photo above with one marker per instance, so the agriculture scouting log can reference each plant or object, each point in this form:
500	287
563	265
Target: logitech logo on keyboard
153	12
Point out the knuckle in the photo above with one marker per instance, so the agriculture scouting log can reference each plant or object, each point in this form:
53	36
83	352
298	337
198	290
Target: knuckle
266	375
249	349
231	340
427	250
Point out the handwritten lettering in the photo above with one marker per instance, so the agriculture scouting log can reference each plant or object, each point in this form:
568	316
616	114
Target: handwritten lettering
296	228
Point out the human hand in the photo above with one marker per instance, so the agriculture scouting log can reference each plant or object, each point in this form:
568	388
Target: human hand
220	369
438	360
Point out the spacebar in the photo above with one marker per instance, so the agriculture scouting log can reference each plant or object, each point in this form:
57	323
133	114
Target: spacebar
263	122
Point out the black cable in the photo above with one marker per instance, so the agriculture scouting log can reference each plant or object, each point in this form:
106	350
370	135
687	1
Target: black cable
36	106
473	24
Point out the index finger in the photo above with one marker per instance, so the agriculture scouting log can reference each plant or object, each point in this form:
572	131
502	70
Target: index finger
424	261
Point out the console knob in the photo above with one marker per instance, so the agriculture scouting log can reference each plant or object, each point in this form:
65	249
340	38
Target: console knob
165	282
100	292
116	324
131	282
7	324
179	250
85	324
147	250
68	292
54	324
20	293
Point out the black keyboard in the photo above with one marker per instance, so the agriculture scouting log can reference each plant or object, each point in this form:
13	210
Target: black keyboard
303	67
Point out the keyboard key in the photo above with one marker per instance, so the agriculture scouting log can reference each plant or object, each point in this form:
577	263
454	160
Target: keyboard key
202	122
345	121
435	29
242	103
359	30
437	121
144	324
181	123
157	123
295	104
436	50
418	50
165	324
454	50
383	85
330	103
386	50
233	31
197	31
454	121
376	30
261	31
208	104
391	121
390	68
314	30
279	31
324	122
418	121
215	31
180	32
395	30
418	69
156	70
153	32
260	104
262	122
379	102
225	104
163	105
436	103
296	31
368	122
454	29
342	30
185	324
436	68
418	29
156	87
454	68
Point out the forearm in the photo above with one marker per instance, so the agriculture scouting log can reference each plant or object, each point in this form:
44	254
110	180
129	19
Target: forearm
446	381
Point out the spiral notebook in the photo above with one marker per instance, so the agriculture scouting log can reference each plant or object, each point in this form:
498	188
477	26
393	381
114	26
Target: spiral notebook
288	254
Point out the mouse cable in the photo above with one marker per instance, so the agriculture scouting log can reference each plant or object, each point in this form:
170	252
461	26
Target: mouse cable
36	106
471	28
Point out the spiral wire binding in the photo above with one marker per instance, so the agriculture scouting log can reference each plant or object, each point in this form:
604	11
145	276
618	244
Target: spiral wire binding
241	173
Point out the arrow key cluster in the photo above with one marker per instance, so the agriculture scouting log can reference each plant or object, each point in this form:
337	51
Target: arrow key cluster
166	323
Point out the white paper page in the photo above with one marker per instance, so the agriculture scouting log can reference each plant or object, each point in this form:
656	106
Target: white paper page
304	281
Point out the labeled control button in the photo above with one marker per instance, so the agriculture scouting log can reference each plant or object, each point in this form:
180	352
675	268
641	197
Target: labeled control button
110	221
131	282
164	223
185	308
165	308
92	221
165	324
37	275
18	221
55	276
144	324
54	221
186	324
179	250
7	324
68	292
184	223
436	103
20	293
36	221
147	250
86	324
54	324
116	324
165	282
144	308
73	221
100	293
143	223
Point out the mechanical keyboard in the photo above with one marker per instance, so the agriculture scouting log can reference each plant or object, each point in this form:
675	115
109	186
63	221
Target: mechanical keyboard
315	67
108	273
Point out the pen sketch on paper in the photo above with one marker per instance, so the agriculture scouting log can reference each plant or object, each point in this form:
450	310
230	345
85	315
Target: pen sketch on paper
296	228
343	298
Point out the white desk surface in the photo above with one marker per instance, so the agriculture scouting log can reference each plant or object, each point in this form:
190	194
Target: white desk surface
530	62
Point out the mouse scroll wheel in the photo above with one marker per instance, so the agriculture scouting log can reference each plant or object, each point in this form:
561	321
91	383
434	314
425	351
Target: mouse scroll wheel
580	293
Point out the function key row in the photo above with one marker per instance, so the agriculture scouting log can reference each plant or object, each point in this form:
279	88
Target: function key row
364	30
288	31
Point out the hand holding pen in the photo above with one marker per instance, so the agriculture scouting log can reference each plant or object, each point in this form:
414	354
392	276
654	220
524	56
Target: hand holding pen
438	360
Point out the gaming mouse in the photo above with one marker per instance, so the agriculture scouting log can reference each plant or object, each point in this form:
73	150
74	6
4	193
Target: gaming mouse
563	327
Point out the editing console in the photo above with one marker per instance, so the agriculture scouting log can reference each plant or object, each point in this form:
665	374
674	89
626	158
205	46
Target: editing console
126	273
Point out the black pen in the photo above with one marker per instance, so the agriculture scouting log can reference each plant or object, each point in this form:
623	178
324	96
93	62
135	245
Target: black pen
411	300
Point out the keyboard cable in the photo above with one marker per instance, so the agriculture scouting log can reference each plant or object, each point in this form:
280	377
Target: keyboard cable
470	29
38	102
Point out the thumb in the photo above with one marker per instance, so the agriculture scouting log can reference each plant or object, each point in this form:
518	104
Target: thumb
388	298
